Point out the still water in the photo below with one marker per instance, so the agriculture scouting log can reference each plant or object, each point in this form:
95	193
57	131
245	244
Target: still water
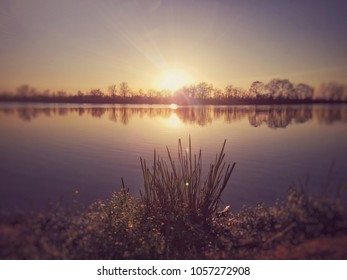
50	152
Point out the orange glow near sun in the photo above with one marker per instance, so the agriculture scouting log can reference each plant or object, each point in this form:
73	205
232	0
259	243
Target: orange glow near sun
173	79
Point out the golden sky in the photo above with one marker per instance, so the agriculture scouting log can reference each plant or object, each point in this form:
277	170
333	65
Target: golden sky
84	44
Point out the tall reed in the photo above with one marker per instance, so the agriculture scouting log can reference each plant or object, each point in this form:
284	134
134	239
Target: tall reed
176	186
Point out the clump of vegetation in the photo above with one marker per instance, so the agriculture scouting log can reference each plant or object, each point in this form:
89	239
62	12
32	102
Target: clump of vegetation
177	188
176	196
176	218
260	229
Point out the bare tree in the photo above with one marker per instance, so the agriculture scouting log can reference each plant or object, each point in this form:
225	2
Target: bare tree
124	90
333	91
96	93
235	92
217	93
304	91
46	93
80	94
23	91
191	91
112	90
257	89
281	89
204	90
61	93
151	93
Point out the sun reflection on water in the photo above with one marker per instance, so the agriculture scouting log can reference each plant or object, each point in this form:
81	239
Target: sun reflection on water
173	106
173	120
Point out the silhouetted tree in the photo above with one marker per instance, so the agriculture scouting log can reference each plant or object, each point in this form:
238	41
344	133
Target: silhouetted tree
235	92
96	93
112	90
333	91
46	93
217	93
165	93
303	91
193	91
61	93
204	90
228	91
151	93
279	89
80	94
258	90
23	91
124	90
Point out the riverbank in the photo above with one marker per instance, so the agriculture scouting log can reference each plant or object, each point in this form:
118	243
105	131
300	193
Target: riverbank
178	216
301	227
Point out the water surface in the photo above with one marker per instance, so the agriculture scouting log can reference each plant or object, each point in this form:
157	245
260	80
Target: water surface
49	152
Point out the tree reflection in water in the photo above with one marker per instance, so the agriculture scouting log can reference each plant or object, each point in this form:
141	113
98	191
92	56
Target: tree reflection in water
271	116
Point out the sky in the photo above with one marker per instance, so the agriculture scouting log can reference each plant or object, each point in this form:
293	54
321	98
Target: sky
82	44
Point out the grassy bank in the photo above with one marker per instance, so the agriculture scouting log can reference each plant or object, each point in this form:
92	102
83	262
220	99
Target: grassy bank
178	217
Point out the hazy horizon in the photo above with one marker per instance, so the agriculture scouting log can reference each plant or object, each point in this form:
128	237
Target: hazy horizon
79	45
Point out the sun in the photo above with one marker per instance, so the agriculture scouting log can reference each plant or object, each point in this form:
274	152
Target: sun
173	79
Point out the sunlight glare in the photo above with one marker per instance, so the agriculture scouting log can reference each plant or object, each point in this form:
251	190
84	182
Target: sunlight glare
173	120
173	80
173	106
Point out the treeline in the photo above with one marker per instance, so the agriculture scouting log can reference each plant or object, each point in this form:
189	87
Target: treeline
277	91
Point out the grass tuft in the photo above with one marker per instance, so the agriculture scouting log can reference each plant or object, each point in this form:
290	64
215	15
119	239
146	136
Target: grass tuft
176	187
